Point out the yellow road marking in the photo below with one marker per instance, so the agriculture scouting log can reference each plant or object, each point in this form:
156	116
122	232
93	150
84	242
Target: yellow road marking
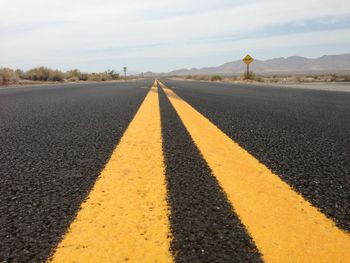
125	217
284	226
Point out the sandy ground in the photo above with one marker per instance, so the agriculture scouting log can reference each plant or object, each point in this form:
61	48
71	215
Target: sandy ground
331	86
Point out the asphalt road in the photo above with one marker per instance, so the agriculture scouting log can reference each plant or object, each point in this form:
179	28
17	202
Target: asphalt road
303	135
201	217
56	140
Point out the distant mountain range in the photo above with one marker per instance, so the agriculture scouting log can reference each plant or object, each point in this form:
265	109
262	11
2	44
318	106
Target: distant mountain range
295	65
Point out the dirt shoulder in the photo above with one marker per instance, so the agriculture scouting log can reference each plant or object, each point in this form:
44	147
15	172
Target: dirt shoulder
317	85
29	83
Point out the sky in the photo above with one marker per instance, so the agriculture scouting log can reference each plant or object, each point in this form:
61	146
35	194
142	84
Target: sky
163	35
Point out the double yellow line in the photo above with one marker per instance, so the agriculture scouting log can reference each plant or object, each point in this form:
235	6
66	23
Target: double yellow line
125	217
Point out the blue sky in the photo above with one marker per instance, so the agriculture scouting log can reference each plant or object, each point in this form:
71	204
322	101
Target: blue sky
162	35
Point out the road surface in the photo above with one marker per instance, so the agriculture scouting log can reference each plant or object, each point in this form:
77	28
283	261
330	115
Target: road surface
174	171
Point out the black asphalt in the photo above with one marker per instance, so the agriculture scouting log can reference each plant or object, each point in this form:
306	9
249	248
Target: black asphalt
53	143
203	224
302	135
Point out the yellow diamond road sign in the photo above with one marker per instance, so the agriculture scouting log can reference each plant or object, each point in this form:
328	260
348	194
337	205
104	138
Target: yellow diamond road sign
248	59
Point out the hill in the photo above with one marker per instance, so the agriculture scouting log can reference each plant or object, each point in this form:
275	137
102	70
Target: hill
289	65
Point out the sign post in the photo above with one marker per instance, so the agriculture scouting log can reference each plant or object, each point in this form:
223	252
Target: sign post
247	60
125	69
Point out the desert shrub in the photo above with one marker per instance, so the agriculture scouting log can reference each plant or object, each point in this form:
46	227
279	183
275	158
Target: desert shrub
113	74
198	77
37	74
298	79
333	77
347	78
216	78
259	79
44	74
84	76
99	76
106	76
73	78
94	77
103	76
57	76
315	77
20	73
73	75
189	77
8	76
251	76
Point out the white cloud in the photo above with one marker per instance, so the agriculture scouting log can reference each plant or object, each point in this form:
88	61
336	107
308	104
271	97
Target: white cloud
58	32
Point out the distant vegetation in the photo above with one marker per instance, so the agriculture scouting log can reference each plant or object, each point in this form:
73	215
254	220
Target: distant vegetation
219	77
250	76
10	76
215	78
43	74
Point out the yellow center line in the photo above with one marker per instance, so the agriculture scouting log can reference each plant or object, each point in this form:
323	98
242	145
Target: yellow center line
284	226
125	217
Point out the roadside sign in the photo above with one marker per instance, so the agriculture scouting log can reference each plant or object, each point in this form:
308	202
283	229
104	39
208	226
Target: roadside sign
248	59
125	69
